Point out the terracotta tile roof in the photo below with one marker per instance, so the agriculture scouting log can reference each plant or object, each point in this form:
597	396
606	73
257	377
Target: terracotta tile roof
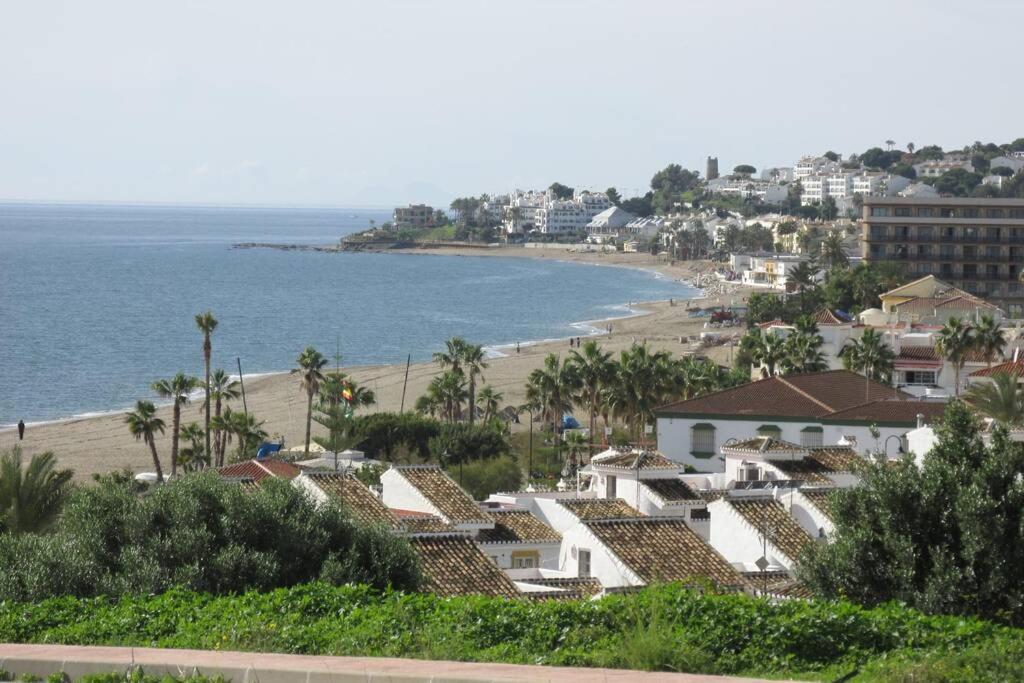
453	564
248	484
711	495
807	395
820	498
819	463
827	317
444	494
903	412
1015	368
919	353
771	323
518	526
780	584
671	490
664	549
353	495
260	469
782	530
426	525
645	460
599	508
764	445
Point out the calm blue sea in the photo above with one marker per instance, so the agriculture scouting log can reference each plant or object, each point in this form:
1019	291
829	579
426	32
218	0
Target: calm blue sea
97	301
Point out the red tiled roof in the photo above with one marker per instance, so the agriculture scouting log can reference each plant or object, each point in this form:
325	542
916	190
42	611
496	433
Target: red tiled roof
645	460
671	490
353	496
827	317
443	493
518	526
260	469
820	463
455	565
806	395
664	549
771	323
820	498
904	412
599	508
770	517
918	353
1015	368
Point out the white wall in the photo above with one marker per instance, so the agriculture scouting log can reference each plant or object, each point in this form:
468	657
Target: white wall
865	442
604	565
399	493
674	437
737	541
807	514
548	553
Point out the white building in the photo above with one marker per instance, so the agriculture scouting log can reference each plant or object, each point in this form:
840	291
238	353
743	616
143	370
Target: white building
811	409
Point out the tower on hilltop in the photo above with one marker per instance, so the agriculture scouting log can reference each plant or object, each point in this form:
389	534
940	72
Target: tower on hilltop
712	169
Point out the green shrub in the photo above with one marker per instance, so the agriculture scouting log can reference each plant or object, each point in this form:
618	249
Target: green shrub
203	534
481	478
659	628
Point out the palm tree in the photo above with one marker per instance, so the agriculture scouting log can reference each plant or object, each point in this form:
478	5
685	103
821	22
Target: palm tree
206	324
1002	399
871	356
989	339
889	144
444	396
802	275
803	354
642	382
246	431
221	389
193	457
575	446
451	357
692	377
311	364
767	349
956	339
489	400
552	387
144	425
593	368
31	498
832	252
473	364
910	147
177	389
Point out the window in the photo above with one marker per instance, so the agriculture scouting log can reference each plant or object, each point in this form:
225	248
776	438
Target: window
901	211
881	211
772	431
878	232
925	212
924	232
970	213
993	213
525	559
919	378
702	439
812	437
583	565
610	484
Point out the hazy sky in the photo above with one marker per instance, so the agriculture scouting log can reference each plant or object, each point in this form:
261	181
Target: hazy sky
379	102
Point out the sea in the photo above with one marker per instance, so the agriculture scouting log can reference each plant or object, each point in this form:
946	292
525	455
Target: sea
98	301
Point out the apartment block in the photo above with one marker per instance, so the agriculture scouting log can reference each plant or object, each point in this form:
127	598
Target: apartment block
974	244
413	216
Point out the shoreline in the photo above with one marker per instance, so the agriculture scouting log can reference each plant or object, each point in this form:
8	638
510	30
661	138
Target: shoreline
96	443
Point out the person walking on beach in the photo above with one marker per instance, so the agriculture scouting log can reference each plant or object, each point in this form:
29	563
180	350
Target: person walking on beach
21	430
517	347
577	342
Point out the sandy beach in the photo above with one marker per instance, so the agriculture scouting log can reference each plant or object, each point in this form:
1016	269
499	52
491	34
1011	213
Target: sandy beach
102	443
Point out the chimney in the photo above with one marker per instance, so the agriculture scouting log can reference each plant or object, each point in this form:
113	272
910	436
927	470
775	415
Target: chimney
920	420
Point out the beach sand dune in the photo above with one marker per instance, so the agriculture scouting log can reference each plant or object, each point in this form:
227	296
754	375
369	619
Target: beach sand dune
102	443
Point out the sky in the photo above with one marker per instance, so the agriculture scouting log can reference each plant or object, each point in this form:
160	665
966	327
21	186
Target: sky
387	102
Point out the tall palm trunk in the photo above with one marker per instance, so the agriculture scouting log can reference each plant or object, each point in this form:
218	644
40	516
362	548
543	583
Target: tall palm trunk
309	422
156	460
175	424
472	399
218	437
207	348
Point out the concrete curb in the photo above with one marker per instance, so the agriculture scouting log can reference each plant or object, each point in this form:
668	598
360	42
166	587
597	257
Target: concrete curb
253	667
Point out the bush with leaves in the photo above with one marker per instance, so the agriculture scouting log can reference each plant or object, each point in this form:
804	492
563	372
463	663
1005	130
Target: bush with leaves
461	442
947	537
389	436
203	534
481	478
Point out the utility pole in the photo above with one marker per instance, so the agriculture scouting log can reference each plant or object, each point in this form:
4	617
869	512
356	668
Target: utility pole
241	382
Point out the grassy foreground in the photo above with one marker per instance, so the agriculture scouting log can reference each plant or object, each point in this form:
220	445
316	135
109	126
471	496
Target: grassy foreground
661	628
